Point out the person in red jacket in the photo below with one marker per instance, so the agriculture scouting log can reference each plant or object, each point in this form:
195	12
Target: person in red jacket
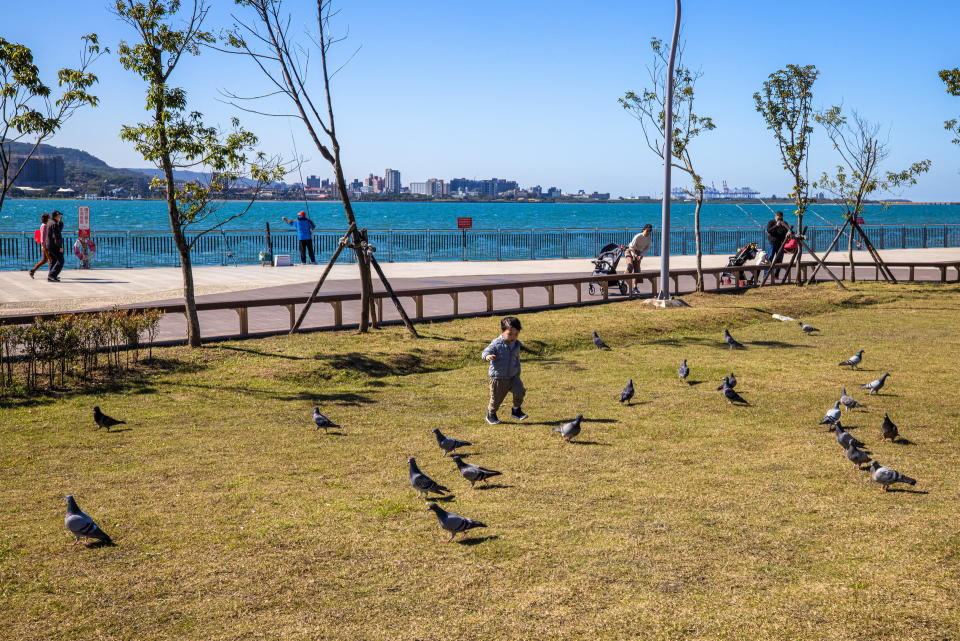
43	244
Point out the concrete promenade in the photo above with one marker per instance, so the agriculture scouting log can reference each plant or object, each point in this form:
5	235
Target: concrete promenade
81	289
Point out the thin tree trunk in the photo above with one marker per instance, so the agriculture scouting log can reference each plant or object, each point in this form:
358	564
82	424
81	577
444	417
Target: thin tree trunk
799	245
853	273
696	236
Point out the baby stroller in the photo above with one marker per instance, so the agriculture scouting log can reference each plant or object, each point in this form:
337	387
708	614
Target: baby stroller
745	253
606	263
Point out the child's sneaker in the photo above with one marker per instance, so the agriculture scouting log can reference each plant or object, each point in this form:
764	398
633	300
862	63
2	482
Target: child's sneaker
518	414
492	418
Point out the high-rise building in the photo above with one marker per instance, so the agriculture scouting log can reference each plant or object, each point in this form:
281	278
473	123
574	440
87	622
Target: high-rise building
39	170
313	181
419	189
391	181
488	188
437	188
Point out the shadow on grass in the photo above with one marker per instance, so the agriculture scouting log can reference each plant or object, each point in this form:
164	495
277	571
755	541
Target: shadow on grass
391	365
477	540
906	491
339	398
493	486
122	429
778	345
257	352
904	441
589	443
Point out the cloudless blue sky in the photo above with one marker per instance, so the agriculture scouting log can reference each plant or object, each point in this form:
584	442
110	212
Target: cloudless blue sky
528	90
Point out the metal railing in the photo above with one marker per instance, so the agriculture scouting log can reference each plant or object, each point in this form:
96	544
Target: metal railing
19	251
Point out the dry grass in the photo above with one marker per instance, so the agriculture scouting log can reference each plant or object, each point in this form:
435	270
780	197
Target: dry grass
679	517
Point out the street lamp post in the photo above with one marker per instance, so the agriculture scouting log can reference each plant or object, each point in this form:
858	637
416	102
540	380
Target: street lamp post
664	294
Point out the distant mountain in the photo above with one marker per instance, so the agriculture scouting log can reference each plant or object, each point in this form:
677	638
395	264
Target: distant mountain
88	174
188	176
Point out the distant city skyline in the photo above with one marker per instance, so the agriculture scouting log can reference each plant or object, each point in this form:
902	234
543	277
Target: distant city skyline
549	115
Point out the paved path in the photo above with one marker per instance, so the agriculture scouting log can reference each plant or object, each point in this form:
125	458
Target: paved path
95	288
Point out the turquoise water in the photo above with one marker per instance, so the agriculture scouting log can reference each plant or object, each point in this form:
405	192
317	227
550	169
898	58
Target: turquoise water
124	215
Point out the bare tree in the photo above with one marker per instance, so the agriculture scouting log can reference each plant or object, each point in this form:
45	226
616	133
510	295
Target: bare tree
857	140
648	107
28	114
284	62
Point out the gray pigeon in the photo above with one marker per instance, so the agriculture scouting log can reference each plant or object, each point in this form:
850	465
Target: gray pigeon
683	371
81	525
473	473
887	476
731	395
104	421
448	444
599	341
832	415
453	523
888	429
854	361
731	381
845	438
807	329
877	385
848	401
571	429
724	384
856	456
627	392
322	421
731	341
423	483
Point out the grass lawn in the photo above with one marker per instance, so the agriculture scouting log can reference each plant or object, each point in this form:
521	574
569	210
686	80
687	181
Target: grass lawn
678	517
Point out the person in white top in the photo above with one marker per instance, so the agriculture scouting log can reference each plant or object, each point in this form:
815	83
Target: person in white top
636	250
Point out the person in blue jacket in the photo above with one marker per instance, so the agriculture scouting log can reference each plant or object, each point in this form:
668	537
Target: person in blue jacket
304	226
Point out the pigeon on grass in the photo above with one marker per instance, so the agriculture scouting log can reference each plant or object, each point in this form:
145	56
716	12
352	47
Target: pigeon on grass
807	329
627	393
888	429
845	438
854	361
832	415
599	341
683	371
322	421
857	456
104	421
731	394
81	525
423	483
473	473
877	385
731	341
453	523
731	381
887	476
571	429
848	401
448	444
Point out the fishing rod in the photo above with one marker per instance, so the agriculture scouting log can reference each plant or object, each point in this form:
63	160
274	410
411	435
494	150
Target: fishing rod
303	183
748	215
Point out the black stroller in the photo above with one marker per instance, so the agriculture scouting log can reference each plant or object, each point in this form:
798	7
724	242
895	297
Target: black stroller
745	253
606	264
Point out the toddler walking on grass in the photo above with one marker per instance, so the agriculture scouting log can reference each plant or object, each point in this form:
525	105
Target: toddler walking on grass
503	354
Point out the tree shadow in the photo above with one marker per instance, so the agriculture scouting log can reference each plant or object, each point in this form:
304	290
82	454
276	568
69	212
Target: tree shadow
779	345
401	364
257	352
477	540
338	398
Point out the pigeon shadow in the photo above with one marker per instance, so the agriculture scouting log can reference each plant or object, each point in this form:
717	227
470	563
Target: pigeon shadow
631	404
442	499
906	491
123	429
589	443
477	540
904	441
692	383
493	486
333	433
599	420
100	544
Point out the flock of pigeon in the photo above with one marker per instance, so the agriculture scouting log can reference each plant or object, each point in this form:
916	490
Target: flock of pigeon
82	526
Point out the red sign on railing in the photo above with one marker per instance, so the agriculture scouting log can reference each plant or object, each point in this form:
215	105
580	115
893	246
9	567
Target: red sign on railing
464	223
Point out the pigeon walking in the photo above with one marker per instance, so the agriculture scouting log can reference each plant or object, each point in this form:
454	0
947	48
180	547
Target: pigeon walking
473	473
847	401
888	429
845	438
832	415
599	341
807	329
877	385
322	421
730	394
104	421
423	483
571	429
683	371
854	361
448	444
81	525
857	456
453	523
731	341
887	476
627	392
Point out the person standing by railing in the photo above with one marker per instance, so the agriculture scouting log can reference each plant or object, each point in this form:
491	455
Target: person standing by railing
636	250
777	230
305	228
41	235
55	245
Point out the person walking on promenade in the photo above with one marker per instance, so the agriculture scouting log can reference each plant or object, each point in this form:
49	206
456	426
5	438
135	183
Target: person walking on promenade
55	245
503	354
776	235
44	219
304	228
636	250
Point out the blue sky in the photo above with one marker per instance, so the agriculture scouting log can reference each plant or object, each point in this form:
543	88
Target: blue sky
528	90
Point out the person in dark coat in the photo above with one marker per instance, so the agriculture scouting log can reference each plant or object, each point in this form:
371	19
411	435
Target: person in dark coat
777	230
55	246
